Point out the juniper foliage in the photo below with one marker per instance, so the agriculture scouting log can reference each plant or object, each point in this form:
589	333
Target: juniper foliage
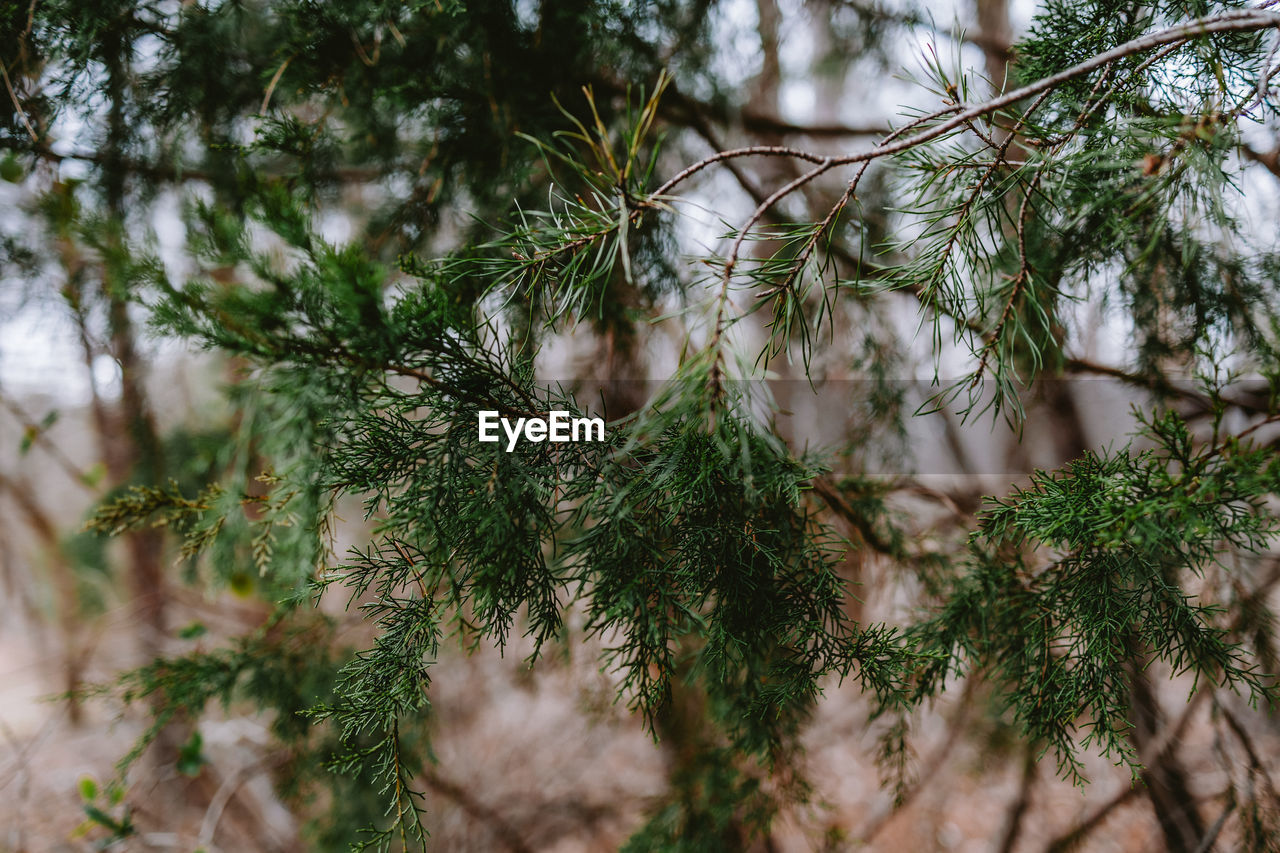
699	547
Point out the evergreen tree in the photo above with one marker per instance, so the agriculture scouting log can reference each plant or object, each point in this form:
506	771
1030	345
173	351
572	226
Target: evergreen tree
700	547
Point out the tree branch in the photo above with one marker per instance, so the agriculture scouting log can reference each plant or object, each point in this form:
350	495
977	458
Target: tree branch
1241	20
477	810
1270	160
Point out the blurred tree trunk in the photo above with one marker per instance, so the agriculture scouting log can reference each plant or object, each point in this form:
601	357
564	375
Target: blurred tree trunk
128	445
1164	777
136	449
97	292
995	35
64	583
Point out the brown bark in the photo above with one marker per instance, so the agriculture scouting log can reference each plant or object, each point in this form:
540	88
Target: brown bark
128	444
1269	160
764	91
996	37
64	583
139	449
1021	803
1164	776
506	834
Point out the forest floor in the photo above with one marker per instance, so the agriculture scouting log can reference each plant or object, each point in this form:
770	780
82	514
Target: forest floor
546	755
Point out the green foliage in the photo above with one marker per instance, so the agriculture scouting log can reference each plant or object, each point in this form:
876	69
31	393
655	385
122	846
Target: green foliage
1124	534
698	547
110	830
1117	173
191	758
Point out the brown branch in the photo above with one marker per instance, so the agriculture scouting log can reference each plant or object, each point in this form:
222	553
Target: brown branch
477	810
1210	837
962	216
1270	160
1255	762
1234	21
413	567
734	153
758	195
955	729
849	192
1161	385
39	435
1021	802
756	121
1073	837
1269	419
765	206
832	497
174	173
917	289
1023	278
275	81
1151	752
39	520
17	105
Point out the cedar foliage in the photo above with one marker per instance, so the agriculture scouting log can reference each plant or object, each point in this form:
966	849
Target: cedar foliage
698	546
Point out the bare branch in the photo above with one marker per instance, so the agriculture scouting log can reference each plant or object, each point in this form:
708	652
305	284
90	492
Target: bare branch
1269	160
477	810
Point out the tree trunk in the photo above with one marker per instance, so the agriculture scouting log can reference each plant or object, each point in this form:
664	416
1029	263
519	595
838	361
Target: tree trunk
1164	777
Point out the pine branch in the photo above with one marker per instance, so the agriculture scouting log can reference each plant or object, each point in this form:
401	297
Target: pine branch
1245	20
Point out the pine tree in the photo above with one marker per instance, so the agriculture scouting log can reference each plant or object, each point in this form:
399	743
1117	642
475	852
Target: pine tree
694	542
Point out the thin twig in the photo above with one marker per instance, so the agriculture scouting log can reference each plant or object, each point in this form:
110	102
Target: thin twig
1270	419
850	190
1206	844
932	767
271	87
1234	21
221	797
761	209
1269	160
734	153
477	810
1255	761
40	436
1070	839
22	114
832	497
1267	72
1021	803
417	575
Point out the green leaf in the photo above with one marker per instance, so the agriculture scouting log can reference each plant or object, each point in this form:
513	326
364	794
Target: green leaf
93	476
192	631
191	756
